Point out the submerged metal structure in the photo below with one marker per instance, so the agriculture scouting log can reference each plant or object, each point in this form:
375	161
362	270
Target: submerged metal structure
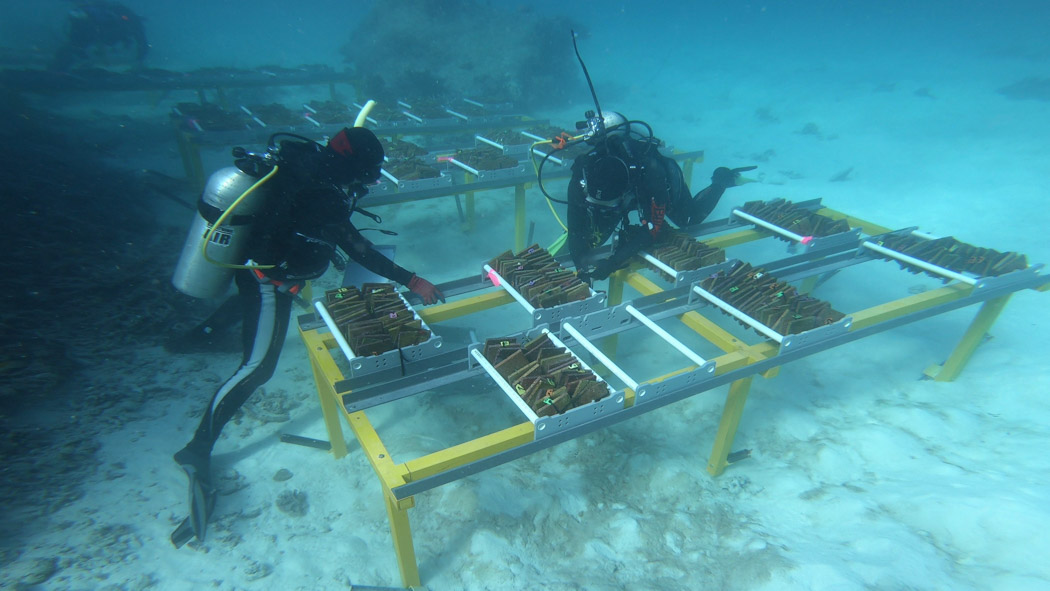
349	386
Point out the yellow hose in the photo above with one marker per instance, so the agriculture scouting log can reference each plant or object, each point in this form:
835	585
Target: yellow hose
558	243
536	169
222	218
365	110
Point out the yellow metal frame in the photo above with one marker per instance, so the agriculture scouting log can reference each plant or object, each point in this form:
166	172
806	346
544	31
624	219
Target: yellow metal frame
736	355
520	235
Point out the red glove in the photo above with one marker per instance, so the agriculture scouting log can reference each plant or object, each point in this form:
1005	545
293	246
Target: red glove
657	221
426	290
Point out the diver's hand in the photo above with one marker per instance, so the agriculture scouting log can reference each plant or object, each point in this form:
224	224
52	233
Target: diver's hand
637	236
724	178
602	270
596	272
426	290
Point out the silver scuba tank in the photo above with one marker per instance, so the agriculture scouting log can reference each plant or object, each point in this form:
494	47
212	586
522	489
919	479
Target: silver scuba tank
196	276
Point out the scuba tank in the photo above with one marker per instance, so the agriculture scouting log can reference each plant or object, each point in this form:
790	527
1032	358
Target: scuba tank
231	197
196	275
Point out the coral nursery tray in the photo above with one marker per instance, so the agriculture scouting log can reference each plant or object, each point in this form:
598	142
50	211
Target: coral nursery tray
548	291
488	163
375	327
509	142
547	381
391	183
388	186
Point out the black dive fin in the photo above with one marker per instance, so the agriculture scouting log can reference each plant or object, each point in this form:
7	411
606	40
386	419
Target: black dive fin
191	528
202	503
182	534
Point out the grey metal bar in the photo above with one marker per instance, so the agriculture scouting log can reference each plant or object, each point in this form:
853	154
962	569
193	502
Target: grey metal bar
772	227
502	283
608	363
936	269
738	314
503	385
976	296
376	199
666	336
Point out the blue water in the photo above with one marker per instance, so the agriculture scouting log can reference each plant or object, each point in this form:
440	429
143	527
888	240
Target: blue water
862	476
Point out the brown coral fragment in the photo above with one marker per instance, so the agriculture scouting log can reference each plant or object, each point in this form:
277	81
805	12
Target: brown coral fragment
485	158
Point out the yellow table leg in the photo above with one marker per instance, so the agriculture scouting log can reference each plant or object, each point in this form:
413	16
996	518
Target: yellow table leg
330	410
615	293
390	475
519	218
468	205
402	533
807	284
326	374
687	171
731	413
974	336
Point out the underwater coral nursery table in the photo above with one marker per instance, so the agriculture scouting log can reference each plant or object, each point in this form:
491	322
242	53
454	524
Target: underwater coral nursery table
692	283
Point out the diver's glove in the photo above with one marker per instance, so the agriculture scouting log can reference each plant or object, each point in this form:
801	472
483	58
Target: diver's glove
723	177
596	272
602	269
425	290
637	237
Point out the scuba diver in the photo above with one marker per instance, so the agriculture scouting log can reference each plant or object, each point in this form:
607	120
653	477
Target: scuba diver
94	28
625	186
624	175
289	214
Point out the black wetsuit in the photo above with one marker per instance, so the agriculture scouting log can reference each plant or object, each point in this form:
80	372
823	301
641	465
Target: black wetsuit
300	224
656	191
94	26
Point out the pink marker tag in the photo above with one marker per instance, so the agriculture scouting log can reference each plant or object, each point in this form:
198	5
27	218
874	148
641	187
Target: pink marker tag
494	278
807	239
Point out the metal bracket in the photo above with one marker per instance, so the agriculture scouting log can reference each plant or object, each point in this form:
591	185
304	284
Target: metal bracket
816	335
547	426
373	363
1013	278
602	322
693	379
362	392
849	238
472	363
502	173
554	315
689	277
391	186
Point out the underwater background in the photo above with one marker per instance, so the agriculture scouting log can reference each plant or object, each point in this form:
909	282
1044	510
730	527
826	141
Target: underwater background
861	475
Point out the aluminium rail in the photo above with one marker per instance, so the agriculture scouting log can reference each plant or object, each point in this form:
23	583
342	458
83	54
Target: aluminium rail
736	366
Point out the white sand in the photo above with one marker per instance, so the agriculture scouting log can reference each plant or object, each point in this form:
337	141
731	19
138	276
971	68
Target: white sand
862	475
